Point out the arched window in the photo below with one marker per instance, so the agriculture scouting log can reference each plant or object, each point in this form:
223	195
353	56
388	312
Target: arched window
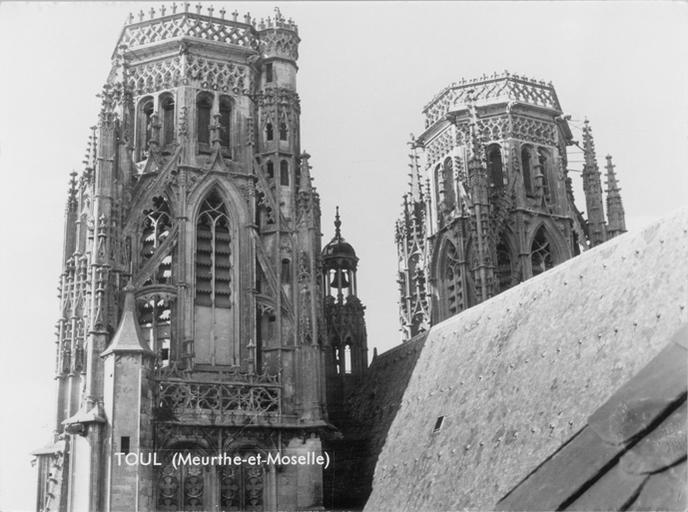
439	192
156	227
545	162
213	254
204	104
541	258
167	107
144	128
284	173
495	172
283	131
526	166
269	134
225	120
452	289
504	268
271	170
448	184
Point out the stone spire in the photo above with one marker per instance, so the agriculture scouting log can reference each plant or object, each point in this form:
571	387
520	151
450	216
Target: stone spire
592	188
616	218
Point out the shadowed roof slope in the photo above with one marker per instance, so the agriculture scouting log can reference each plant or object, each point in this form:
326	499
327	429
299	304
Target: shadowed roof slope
517	376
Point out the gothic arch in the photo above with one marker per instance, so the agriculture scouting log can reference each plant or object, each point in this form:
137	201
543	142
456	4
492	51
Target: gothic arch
527	168
226	108
506	261
226	318
167	117
495	165
556	246
204	107
449	279
144	112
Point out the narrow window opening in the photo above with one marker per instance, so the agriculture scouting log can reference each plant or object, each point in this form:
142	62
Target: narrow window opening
347	359
271	170
269	135
494	167
438	424
225	114
527	172
286	271
144	126
124	444
203	106
167	104
268	72
284	173
283	131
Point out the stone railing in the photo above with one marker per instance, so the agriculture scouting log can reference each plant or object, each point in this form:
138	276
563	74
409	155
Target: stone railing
226	402
503	86
229	398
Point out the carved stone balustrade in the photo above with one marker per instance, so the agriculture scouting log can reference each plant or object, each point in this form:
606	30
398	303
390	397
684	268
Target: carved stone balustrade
237	399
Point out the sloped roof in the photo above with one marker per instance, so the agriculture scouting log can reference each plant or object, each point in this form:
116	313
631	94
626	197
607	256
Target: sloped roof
517	376
630	455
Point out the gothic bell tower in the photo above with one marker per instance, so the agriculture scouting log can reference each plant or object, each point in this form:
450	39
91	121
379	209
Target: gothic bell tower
346	348
490	201
191	308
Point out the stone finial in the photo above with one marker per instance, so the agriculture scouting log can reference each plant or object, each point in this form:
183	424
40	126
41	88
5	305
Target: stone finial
163	9
152	13
235	15
337	224
141	15
222	13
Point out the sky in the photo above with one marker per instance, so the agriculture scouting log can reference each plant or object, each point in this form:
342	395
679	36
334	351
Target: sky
365	72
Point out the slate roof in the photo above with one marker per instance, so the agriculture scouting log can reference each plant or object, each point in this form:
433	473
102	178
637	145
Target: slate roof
517	377
371	408
631	455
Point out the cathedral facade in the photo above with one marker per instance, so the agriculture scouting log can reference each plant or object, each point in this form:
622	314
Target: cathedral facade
490	202
193	292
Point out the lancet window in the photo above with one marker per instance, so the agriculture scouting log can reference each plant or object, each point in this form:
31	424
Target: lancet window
451	281
284	173
527	169
156	227
495	171
213	254
545	162
204	105
541	257
144	126
225	120
167	107
448	184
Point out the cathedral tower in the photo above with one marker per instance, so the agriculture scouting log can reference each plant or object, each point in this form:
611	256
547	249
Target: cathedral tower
490	202
191	303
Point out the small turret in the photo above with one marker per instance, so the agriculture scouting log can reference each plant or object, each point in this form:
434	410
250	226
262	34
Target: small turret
346	348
